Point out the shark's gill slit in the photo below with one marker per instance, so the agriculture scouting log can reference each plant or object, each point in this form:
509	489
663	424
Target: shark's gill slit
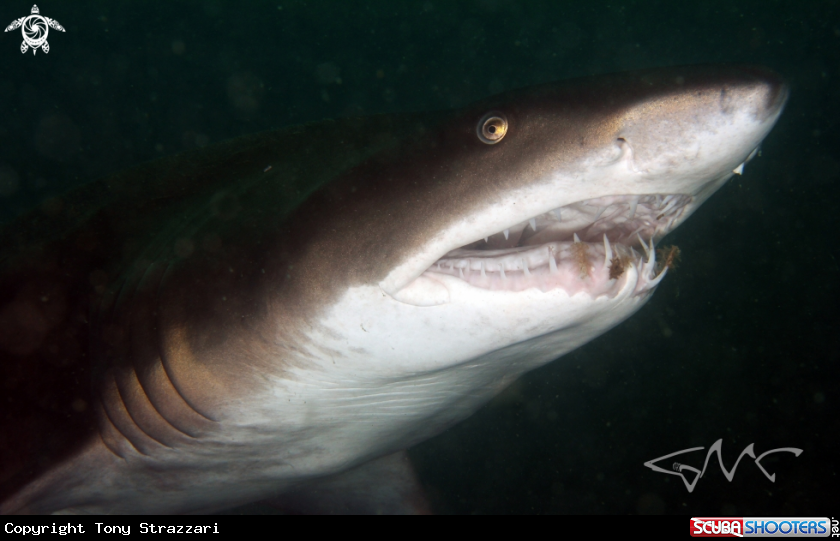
587	246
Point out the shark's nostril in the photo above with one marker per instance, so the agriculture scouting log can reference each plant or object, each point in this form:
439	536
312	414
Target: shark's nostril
625	151
623	143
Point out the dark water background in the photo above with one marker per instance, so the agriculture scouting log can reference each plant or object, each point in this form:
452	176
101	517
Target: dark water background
741	343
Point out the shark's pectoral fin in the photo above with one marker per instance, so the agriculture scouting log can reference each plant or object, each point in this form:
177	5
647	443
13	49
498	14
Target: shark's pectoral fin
386	486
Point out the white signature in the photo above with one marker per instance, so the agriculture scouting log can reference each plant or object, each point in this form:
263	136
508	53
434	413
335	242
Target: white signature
678	468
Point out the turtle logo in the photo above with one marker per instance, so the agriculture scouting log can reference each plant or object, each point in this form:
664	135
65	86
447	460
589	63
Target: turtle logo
35	30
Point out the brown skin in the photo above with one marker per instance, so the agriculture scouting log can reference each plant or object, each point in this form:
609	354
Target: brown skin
139	306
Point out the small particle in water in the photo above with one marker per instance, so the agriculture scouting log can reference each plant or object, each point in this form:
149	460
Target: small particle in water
78	405
668	256
267	169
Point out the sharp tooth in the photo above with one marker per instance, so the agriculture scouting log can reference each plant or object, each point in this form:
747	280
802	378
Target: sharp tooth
461	272
739	170
552	266
607	251
647	252
650	266
507	234
752	155
533	223
636	232
633	203
670	202
577	239
556	213
487	240
483	275
655	282
525	267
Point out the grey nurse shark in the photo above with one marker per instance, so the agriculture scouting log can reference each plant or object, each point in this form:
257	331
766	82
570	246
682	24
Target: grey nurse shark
278	317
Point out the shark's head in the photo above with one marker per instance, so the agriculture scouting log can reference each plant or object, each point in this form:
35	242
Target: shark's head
519	228
617	161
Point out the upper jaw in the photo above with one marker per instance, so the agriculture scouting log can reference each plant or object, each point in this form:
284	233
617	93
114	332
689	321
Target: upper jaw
622	218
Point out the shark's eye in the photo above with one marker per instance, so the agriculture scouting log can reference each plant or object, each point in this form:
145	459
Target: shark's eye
492	127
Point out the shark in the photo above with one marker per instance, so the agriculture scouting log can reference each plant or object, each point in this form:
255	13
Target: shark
278	317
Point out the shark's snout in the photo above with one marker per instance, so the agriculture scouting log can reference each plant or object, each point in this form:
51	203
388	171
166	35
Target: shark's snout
774	88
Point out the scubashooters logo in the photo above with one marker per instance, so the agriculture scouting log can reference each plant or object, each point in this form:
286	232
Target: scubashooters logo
762	527
678	468
35	29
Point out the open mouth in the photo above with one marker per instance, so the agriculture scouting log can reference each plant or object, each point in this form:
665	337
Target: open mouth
588	246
